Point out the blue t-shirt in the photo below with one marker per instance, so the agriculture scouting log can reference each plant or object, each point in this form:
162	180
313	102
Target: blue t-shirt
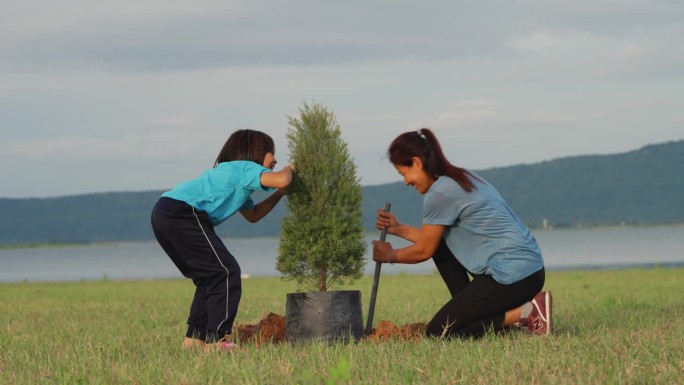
223	190
482	231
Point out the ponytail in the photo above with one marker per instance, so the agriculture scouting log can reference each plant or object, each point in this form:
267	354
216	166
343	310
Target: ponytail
424	145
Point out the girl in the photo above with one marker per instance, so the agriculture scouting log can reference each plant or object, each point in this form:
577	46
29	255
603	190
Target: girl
183	221
467	228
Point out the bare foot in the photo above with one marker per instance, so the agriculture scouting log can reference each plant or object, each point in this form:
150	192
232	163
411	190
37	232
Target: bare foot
190	343
225	346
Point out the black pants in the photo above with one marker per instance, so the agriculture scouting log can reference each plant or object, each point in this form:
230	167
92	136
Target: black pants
188	237
478	305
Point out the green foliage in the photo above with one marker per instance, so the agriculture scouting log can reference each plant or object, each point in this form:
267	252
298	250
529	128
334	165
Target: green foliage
322	236
640	187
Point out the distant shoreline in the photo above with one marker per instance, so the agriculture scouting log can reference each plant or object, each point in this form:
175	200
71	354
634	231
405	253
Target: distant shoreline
370	233
606	227
43	245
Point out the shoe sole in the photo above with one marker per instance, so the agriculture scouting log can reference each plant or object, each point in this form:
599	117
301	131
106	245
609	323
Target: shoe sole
549	312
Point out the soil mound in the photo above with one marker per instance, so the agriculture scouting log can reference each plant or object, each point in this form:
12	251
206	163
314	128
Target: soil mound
271	329
387	330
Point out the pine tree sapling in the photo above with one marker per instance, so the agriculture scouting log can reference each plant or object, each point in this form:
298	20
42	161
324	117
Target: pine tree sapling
322	240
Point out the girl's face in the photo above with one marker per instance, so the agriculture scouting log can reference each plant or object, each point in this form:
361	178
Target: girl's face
269	160
414	175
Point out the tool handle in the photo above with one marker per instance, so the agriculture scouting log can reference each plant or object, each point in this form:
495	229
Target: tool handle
376	281
383	232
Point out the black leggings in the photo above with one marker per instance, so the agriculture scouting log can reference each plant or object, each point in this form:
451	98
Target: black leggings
188	237
479	305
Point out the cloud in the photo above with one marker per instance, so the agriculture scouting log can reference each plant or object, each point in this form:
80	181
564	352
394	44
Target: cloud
646	58
148	36
468	114
148	90
536	42
158	144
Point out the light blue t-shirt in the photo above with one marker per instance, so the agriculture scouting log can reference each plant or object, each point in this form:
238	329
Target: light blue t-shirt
223	190
482	231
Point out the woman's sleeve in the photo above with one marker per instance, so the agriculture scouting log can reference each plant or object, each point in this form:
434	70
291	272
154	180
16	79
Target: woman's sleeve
440	209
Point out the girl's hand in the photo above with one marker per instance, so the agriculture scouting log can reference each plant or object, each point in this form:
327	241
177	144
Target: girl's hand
387	220
289	169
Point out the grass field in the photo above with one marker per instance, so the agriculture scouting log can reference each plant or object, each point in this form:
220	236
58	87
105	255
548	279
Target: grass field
613	327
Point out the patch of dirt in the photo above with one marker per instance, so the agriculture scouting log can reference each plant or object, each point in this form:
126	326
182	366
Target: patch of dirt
387	330
271	329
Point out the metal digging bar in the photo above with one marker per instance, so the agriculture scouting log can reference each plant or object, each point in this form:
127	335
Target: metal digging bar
376	280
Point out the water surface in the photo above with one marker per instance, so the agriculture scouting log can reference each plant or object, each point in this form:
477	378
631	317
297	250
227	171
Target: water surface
562	249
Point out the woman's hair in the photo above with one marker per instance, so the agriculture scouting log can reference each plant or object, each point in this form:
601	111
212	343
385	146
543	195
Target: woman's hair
246	145
424	145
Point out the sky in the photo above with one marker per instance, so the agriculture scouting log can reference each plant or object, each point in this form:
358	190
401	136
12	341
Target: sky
138	95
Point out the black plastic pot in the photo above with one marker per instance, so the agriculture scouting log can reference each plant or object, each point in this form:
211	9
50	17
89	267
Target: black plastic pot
325	316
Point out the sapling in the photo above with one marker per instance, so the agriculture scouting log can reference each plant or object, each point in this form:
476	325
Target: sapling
322	239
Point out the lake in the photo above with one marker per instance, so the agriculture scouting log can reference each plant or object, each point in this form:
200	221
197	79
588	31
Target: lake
602	248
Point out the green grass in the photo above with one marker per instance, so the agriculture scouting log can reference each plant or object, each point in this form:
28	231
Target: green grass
613	327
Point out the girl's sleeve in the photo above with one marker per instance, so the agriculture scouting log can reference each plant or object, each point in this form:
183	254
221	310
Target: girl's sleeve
252	177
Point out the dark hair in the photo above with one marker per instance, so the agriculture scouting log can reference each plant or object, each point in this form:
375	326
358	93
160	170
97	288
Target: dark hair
424	145
246	145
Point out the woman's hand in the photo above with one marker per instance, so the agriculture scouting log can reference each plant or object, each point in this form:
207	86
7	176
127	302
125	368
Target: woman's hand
383	252
387	220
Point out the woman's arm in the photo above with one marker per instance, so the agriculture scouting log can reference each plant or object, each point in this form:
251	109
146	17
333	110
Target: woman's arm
428	238
407	232
387	220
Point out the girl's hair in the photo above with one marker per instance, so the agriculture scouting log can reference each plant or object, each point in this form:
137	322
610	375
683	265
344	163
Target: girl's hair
246	145
424	145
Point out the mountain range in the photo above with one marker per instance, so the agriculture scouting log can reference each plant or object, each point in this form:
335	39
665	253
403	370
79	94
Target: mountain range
640	187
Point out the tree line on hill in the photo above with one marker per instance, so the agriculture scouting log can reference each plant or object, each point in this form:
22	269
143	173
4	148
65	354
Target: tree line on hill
641	187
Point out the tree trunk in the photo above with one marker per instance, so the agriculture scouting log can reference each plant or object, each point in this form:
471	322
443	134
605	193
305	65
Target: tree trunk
322	279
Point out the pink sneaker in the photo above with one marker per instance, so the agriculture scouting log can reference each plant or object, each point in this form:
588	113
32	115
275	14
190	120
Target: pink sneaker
540	320
221	346
227	347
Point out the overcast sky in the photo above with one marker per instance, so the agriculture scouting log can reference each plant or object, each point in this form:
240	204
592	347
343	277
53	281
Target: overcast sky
135	95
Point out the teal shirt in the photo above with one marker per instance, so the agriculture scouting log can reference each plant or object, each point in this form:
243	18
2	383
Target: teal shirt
482	231
223	190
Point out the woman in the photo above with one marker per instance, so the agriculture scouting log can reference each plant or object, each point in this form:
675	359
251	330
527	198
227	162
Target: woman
468	229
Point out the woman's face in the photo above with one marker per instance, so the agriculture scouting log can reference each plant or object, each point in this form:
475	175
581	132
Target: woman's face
414	175
269	160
